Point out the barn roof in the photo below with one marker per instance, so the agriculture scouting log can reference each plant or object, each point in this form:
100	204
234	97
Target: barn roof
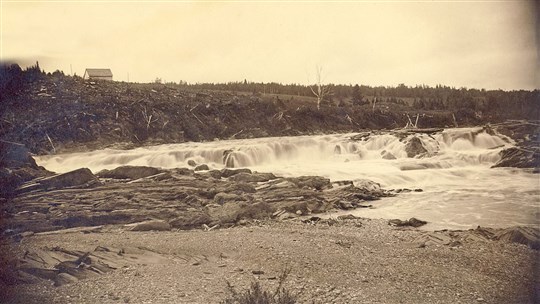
99	72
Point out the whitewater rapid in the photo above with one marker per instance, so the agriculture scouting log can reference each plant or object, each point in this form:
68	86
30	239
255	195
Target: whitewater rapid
460	190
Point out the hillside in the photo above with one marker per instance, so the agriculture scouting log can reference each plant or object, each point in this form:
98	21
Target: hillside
49	113
52	112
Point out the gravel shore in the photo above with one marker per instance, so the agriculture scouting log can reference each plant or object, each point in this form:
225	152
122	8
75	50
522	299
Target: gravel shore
350	261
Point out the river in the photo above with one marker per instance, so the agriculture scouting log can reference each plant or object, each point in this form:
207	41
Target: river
460	190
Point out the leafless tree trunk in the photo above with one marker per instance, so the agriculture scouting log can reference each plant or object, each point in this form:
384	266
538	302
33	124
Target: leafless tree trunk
148	118
319	90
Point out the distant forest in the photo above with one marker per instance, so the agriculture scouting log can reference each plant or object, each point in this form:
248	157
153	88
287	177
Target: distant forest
488	103
515	103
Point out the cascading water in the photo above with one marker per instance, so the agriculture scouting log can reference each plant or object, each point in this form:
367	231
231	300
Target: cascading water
459	188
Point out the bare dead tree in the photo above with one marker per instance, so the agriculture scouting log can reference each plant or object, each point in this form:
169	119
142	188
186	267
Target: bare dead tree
148	118
319	90
373	104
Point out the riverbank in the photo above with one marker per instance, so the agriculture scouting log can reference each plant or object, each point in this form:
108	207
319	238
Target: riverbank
344	261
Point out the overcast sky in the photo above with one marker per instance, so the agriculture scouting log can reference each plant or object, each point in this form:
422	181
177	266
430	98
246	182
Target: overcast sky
473	44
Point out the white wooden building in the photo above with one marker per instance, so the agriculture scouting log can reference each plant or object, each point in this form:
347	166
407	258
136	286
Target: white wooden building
98	74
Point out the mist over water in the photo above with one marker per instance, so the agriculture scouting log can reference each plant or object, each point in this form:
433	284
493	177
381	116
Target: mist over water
460	191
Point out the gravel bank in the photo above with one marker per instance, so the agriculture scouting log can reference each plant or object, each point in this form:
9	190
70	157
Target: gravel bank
352	261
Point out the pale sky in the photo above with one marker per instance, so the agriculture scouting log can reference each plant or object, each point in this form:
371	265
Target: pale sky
473	44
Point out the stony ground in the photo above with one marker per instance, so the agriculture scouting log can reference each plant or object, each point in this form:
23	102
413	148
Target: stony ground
346	261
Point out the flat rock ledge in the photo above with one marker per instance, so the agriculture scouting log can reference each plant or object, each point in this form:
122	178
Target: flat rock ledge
177	199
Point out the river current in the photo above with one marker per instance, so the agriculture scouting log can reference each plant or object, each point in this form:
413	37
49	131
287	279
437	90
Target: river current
460	189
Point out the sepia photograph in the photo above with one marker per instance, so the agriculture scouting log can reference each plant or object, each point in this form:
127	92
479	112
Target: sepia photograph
269	152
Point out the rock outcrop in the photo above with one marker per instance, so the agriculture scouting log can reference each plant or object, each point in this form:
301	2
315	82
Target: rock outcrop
414	147
75	178
183	199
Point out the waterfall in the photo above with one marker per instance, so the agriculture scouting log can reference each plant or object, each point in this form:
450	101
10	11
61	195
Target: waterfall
452	167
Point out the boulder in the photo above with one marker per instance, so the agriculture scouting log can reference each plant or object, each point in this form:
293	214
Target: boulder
73	178
192	163
129	172
201	167
152	225
17	167
14	155
414	147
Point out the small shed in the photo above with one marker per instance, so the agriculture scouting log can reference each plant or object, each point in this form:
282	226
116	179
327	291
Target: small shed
98	74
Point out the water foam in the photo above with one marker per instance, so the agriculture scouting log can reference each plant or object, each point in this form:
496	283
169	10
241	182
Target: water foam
460	189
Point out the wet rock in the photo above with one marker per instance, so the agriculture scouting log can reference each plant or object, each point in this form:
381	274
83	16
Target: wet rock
192	163
230	172
414	147
412	222
387	155
368	185
129	172
228	161
201	167
519	158
153	225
